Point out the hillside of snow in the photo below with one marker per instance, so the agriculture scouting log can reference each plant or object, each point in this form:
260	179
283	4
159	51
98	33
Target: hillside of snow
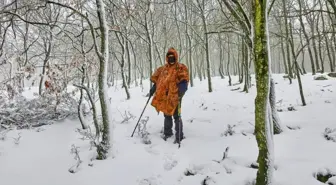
42	156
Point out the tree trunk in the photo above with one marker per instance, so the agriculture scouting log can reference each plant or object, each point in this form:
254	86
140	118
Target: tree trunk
333	36
104	146
150	49
326	39
220	68
191	73
303	55
80	110
283	53
247	83
207	57
290	71
188	44
307	39
228	62
319	42
178	30
241	62
263	117
135	65
46	60
206	37
297	68
129	79
317	64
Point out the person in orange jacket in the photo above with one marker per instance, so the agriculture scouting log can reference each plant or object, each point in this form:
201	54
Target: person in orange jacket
170	84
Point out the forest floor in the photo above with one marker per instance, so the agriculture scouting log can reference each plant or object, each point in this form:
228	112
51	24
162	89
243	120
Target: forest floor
42	156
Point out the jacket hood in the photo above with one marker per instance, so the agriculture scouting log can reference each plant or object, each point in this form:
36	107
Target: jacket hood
174	52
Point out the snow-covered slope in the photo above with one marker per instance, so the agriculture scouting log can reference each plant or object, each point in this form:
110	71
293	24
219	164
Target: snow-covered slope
42	156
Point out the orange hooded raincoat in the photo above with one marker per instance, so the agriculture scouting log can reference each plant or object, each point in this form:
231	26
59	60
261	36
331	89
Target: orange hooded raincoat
166	79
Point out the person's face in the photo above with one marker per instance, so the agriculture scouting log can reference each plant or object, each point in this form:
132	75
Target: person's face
171	59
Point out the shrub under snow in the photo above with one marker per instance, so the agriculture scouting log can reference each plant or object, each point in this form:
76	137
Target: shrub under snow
24	113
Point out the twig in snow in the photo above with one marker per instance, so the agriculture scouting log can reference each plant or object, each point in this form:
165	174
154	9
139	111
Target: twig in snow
229	130
207	180
293	127
280	101
330	134
189	173
74	168
3	135
126	117
94	157
225	155
327	85
17	140
254	165
87	135
236	89
142	131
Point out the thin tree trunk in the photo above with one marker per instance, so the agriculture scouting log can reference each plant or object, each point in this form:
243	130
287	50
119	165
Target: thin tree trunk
317	64
307	39
80	109
206	37
129	79
220	68
150	48
326	39
178	29
46	60
283	53
134	65
207	55
290	71
247	83
228	62
297	68
303	55
188	44
319	42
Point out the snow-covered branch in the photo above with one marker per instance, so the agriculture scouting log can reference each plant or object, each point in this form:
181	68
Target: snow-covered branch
99	54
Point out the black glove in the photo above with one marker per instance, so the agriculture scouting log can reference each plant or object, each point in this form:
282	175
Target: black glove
152	90
182	88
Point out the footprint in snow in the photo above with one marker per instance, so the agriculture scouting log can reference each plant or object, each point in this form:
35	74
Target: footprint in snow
151	150
169	162
154	180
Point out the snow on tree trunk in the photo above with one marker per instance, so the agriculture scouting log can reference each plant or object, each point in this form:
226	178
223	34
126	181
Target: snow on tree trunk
276	120
80	105
104	146
263	116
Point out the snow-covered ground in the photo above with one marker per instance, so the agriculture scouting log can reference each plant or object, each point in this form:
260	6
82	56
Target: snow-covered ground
42	156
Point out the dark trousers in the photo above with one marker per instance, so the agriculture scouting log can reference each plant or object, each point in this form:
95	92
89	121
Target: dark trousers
168	124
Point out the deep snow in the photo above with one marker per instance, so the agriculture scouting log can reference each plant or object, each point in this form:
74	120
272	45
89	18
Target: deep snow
42	156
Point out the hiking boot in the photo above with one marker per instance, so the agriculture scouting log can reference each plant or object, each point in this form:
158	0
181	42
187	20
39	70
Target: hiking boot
165	137
178	141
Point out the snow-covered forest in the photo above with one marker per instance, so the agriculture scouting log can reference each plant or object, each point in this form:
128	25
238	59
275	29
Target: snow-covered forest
77	80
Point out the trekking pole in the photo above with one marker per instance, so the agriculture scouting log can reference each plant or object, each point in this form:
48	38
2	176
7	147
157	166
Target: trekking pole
141	115
179	113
